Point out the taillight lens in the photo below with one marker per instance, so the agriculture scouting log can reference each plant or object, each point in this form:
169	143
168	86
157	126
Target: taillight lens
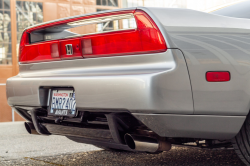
146	38
151	37
110	44
24	41
45	51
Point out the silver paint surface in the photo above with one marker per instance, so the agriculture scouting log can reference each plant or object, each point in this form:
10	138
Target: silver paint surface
159	83
193	126
139	83
212	43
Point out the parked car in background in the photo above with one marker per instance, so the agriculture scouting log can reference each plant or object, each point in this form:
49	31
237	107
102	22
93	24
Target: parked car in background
137	79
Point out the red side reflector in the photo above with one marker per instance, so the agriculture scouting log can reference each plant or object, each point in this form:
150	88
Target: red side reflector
218	76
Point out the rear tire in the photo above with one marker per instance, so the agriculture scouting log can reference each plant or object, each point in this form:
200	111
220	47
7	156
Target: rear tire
241	142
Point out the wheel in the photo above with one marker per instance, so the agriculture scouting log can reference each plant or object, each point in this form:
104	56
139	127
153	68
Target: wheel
241	142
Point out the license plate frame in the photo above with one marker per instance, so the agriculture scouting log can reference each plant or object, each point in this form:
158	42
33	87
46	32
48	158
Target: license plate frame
58	112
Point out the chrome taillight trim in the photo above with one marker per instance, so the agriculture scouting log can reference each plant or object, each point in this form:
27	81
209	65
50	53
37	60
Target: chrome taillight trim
83	15
100	19
119	30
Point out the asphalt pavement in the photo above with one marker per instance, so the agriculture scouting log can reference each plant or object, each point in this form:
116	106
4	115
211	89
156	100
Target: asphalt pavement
19	148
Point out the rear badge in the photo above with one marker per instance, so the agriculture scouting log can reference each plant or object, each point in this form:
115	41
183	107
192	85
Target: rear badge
69	49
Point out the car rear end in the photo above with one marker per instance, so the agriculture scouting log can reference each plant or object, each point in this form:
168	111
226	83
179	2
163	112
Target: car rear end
90	77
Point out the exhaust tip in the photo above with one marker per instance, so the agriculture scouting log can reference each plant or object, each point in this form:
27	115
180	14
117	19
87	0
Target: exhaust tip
146	144
27	126
129	141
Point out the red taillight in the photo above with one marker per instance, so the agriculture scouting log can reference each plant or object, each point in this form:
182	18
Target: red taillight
24	41
45	51
151	37
146	38
115	43
219	76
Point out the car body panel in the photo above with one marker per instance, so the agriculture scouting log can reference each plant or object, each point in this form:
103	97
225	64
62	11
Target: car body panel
212	43
157	87
139	83
193	126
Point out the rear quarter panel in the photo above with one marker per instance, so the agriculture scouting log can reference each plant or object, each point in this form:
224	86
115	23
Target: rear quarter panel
212	43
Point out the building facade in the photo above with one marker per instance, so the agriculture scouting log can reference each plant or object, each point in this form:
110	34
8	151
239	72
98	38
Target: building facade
16	15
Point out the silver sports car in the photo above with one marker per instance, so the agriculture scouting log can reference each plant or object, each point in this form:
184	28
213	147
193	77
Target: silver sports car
137	79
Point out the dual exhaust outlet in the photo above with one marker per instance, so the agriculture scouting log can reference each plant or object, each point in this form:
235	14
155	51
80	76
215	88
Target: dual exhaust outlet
30	128
134	142
146	144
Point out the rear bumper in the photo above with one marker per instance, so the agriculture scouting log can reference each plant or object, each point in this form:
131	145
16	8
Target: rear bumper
154	89
158	85
164	125
193	126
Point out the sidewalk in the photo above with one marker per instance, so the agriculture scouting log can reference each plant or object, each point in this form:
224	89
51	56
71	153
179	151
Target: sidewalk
16	143
19	148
